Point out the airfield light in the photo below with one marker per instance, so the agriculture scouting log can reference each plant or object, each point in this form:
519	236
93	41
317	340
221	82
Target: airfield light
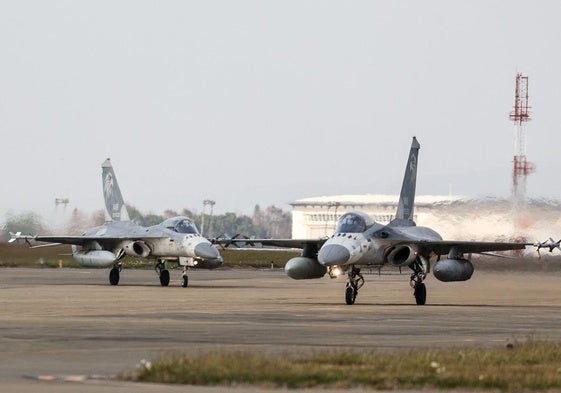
335	272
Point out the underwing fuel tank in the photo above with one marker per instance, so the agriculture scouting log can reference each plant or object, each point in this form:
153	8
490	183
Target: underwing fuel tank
94	258
453	270
301	268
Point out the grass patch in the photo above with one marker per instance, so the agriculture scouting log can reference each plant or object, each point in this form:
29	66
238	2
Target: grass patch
530	365
258	258
20	255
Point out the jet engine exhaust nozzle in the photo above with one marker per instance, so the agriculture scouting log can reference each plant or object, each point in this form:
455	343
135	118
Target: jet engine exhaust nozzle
333	254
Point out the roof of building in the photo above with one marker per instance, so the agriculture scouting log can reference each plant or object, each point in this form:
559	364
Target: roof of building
369	199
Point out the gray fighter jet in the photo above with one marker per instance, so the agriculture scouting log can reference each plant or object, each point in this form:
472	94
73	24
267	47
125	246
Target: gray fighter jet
359	241
176	240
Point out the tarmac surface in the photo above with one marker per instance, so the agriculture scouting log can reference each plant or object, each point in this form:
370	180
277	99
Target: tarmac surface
71	326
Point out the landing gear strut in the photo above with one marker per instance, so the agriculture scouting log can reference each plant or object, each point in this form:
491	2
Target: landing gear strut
420	270
356	281
163	273
184	278
114	274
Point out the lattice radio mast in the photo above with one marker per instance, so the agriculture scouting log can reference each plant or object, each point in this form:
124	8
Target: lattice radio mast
520	115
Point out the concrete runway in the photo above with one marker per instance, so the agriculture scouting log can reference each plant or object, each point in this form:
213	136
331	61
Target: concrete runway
71	322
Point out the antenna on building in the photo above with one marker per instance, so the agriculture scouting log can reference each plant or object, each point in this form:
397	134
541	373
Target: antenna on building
520	115
61	201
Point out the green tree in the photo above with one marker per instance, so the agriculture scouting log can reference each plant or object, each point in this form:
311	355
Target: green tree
272	222
152	219
135	215
229	224
28	223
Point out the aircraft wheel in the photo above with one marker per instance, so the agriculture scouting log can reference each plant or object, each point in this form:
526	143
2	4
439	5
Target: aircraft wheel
164	277
350	295
114	276
184	281
420	294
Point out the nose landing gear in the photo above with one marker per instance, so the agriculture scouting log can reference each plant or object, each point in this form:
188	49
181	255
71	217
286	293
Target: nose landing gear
184	278
356	281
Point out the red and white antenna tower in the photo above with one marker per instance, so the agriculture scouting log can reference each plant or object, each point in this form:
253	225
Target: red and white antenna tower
520	115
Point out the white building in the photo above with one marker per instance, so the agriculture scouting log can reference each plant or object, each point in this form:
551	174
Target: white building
454	217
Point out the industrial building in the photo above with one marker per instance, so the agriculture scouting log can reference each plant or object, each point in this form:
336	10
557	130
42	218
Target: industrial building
454	217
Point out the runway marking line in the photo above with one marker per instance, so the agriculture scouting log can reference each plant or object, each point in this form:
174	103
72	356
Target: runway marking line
66	378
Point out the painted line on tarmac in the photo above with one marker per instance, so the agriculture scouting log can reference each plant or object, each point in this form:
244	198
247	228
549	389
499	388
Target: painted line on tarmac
67	378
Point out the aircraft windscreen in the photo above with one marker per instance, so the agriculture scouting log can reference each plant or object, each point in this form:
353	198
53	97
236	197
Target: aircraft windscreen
181	225
351	223
186	226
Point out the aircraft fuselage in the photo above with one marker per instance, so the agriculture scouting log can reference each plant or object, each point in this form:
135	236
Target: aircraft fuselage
157	241
377	246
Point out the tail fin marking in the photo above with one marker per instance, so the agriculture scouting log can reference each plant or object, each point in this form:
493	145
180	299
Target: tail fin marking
115	208
406	204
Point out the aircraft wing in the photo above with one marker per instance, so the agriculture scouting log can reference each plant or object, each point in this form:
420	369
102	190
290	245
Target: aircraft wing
81	240
441	247
283	243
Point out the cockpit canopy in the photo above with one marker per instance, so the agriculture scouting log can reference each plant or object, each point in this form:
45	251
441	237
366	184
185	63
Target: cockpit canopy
353	222
180	225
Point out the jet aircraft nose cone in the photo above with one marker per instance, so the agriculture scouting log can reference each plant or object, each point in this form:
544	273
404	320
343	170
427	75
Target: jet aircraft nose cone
333	254
206	251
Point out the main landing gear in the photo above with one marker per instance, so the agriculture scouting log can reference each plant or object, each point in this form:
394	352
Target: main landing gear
114	274
420	270
356	281
163	273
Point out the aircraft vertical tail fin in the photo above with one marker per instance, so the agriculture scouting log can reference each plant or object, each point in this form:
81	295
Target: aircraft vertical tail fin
115	208
406	204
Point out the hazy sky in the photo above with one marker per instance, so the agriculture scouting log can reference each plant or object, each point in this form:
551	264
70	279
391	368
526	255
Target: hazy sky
267	102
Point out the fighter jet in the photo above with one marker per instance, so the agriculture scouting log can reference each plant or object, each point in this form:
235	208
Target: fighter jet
176	240
359	241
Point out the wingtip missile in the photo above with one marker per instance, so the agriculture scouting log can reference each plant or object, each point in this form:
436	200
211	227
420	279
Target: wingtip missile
14	237
549	244
17	237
